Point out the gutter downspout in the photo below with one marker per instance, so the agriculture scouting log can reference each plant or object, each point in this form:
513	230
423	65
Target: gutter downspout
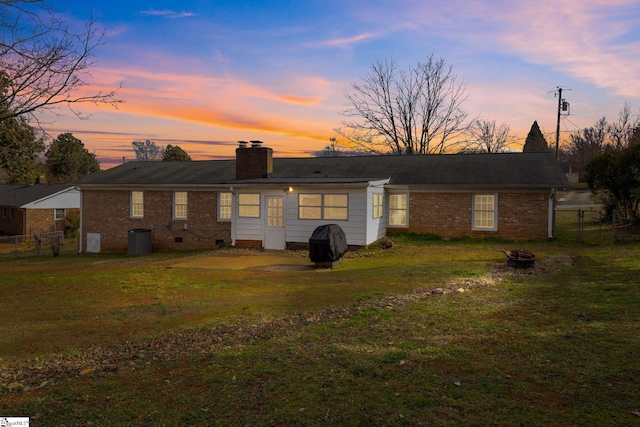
81	222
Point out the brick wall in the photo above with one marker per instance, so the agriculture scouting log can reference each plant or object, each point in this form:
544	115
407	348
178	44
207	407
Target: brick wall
521	216
37	221
11	221
107	212
248	244
43	220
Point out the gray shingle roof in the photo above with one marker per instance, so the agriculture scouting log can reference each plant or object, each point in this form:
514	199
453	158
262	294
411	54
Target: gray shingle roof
504	170
20	194
203	172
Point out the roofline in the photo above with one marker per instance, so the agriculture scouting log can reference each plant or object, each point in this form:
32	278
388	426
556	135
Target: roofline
42	199
115	187
364	184
467	188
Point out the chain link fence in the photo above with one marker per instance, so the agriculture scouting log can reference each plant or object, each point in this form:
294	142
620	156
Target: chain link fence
624	231
50	243
590	226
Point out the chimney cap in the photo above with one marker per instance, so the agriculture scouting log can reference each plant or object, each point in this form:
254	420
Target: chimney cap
255	143
242	144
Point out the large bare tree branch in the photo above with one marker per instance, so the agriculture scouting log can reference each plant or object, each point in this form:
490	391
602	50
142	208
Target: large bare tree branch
484	136
621	132
43	63
417	111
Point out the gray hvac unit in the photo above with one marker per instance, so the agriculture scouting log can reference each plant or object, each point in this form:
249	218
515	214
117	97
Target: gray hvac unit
139	241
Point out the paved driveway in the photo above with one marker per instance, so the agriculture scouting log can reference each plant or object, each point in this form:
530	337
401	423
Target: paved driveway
577	199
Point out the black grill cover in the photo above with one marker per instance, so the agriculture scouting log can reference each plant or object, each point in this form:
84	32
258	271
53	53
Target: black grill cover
327	243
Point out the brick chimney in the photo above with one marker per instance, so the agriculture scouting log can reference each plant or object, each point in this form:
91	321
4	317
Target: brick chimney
253	162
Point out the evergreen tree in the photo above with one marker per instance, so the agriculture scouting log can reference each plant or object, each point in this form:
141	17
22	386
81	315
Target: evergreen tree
535	141
173	153
19	149
68	160
614	173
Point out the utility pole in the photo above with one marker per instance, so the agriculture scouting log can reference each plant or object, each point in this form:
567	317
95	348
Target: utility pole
562	106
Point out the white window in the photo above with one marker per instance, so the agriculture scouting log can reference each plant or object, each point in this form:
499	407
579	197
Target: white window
249	205
323	206
310	206
137	204
225	204
484	212
180	205
377	205
398	210
336	206
60	214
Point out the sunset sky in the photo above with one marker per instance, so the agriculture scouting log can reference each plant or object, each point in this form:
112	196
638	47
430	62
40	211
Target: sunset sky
205	74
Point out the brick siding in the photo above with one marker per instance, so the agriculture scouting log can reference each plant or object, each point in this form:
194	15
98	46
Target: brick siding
248	244
32	221
107	212
521	216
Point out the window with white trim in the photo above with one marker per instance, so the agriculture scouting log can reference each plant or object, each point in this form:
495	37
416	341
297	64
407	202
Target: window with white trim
398	210
336	206
137	204
180	205
225	205
60	214
485	208
323	206
249	205
378	205
310	206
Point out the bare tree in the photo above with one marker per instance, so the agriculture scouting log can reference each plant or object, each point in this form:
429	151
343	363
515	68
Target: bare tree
148	151
621	132
486	137
44	64
417	111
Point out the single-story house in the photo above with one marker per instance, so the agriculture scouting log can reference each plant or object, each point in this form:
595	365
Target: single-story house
29	209
257	201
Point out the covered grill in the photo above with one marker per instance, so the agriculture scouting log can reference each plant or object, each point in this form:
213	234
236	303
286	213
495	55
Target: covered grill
327	244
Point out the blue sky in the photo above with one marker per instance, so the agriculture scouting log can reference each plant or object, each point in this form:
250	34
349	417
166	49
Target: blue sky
204	74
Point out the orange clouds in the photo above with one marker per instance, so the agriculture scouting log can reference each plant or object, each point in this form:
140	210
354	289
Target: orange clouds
226	102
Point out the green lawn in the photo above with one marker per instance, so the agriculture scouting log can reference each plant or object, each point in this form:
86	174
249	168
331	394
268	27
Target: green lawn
428	333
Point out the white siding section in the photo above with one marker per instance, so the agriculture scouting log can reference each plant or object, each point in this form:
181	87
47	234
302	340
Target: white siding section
67	199
355	228
360	228
248	228
376	227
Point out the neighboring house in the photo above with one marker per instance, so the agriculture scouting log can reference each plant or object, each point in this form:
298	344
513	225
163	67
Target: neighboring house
258	201
37	208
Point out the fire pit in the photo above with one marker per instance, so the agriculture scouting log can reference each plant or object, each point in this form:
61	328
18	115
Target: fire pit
520	258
